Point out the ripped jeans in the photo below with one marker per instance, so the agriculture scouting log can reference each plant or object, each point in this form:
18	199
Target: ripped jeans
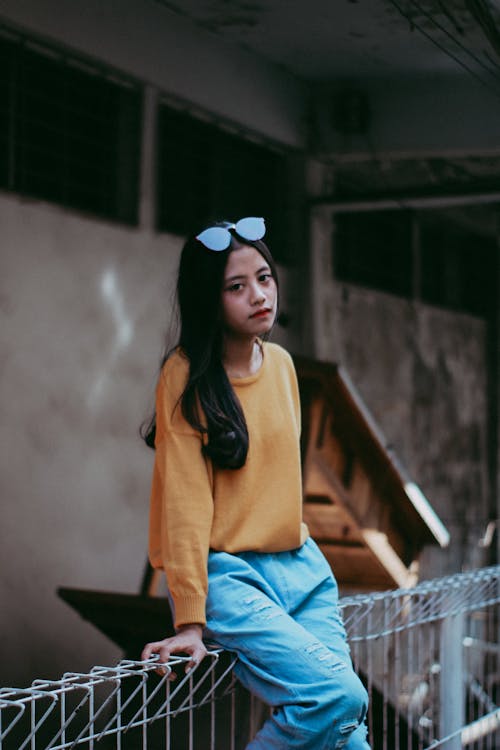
279	613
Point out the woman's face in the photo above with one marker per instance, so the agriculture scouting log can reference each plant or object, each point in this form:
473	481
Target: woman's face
249	294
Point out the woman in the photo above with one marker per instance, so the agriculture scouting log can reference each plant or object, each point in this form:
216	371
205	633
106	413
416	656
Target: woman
226	502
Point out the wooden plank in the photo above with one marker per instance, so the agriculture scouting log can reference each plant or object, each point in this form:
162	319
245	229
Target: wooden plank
365	508
321	479
387	557
331	523
357	566
353	433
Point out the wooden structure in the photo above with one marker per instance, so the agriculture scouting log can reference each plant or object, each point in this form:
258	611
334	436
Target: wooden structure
370	520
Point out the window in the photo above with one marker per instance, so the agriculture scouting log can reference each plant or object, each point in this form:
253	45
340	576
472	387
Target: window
457	267
373	249
205	173
68	134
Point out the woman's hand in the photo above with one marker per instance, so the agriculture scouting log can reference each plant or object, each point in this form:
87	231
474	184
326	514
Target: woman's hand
187	641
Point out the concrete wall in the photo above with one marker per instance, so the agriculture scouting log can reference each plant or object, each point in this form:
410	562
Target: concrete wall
85	306
422	116
422	372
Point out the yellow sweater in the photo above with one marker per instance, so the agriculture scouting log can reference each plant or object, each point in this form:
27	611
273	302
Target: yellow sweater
196	506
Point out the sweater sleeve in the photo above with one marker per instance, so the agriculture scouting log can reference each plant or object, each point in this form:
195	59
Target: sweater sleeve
181	512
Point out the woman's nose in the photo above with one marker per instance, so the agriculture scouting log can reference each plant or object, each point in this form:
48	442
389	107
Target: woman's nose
258	295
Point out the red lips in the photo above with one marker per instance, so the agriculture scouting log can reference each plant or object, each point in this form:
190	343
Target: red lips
261	313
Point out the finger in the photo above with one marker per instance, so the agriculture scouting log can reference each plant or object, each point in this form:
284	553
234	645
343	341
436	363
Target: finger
196	658
164	654
163	658
162	671
148	650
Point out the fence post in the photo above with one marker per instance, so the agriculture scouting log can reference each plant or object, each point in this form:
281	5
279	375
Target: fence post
452	679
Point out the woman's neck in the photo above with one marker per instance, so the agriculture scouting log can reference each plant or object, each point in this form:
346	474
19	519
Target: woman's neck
242	357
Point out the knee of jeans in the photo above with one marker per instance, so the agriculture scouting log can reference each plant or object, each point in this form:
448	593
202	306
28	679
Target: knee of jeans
353	703
340	703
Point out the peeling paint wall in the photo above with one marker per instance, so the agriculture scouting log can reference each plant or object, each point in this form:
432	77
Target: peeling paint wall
422	372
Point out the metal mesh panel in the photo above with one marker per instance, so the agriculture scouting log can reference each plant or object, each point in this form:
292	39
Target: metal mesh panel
429	657
430	661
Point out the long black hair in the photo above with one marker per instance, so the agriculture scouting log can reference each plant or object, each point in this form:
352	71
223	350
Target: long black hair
208	402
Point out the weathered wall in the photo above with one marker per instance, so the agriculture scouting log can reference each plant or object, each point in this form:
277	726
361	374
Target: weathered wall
422	373
84	309
416	116
85	304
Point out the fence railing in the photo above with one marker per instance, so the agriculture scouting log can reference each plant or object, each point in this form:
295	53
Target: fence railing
429	656
431	660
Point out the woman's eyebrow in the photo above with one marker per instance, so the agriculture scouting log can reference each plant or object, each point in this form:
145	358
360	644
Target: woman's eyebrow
244	275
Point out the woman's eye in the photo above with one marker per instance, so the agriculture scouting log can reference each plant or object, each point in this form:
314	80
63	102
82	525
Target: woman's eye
235	287
264	278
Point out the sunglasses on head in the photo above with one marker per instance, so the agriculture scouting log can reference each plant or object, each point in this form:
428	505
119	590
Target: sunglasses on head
219	237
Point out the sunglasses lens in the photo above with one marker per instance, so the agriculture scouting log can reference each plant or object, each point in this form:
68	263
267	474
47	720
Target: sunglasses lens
218	238
251	228
215	238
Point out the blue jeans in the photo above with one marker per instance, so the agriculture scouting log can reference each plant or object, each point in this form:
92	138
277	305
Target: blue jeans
279	613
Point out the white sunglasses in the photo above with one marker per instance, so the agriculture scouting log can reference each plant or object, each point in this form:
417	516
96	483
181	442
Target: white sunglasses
218	237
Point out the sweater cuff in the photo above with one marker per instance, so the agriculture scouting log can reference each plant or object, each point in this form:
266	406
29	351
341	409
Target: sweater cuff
190	609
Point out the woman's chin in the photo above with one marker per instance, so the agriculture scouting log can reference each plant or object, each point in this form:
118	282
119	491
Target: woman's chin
264	327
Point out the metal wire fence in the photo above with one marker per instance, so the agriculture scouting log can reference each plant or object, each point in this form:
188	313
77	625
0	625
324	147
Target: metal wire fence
429	657
431	662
